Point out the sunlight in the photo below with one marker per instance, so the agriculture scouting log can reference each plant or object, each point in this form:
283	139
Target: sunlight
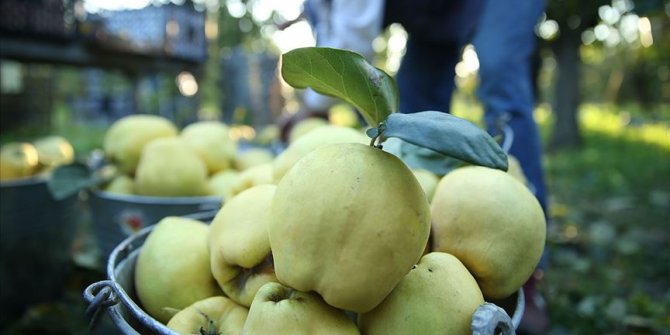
396	47
187	84
296	36
542	114
644	25
601	31
588	37
617	124
94	6
288	9
242	132
548	29
236	8
609	14
469	63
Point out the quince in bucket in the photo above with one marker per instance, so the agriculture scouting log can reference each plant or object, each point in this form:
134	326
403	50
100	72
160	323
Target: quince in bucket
492	223
348	221
125	139
168	168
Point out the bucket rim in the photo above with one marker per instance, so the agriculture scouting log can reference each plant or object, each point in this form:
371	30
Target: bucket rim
156	200
123	249
120	253
25	181
136	241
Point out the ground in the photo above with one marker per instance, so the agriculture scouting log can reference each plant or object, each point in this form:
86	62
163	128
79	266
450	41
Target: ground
608	236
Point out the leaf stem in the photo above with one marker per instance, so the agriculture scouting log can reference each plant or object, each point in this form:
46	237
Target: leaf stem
376	134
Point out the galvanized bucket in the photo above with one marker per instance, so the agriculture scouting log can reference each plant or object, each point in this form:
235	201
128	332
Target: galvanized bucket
117	297
118	216
36	239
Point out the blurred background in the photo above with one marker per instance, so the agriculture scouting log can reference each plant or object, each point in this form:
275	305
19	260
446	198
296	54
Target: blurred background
72	67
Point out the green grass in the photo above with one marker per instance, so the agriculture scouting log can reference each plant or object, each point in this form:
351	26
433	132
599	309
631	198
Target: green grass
610	209
83	137
608	237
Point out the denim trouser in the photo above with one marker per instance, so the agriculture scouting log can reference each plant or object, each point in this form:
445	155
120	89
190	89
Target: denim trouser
505	41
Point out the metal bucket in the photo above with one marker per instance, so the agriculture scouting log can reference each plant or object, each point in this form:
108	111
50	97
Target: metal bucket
117	296
36	236
117	216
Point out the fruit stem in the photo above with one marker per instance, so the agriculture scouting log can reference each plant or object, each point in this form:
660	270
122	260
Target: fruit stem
376	134
211	327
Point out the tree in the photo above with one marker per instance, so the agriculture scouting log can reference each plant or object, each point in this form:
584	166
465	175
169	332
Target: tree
573	18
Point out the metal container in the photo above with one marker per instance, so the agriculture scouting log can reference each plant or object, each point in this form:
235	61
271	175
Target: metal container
117	216
117	296
36	236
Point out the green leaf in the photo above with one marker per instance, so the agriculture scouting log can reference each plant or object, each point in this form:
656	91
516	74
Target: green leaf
343	74
372	133
68	180
417	157
448	135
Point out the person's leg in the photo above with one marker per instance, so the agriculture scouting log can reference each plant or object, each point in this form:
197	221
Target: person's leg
426	76
505	42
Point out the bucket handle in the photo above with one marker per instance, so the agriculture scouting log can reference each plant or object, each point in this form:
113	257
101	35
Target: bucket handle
100	296
490	318
104	295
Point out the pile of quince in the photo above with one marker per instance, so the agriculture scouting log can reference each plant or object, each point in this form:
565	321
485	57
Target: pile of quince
152	157
28	159
344	238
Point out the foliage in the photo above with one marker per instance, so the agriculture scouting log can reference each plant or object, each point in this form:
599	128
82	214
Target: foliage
236	30
620	66
345	75
348	76
619	32
84	138
574	15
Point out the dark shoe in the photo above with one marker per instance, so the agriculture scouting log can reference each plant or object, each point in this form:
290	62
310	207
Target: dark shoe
535	317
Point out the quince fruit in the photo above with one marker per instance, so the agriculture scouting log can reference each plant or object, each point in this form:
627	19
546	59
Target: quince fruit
348	222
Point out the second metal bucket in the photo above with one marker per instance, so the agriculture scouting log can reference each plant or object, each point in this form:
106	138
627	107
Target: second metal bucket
36	236
117	216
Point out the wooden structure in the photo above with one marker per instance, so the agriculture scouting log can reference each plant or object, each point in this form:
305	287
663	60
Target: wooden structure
166	39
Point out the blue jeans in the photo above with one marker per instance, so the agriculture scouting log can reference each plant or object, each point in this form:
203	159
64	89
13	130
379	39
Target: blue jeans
505	41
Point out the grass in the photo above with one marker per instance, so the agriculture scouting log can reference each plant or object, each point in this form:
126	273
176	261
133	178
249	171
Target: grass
608	237
609	207
83	137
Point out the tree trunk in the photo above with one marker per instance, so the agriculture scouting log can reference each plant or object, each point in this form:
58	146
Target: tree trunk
565	133
614	83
